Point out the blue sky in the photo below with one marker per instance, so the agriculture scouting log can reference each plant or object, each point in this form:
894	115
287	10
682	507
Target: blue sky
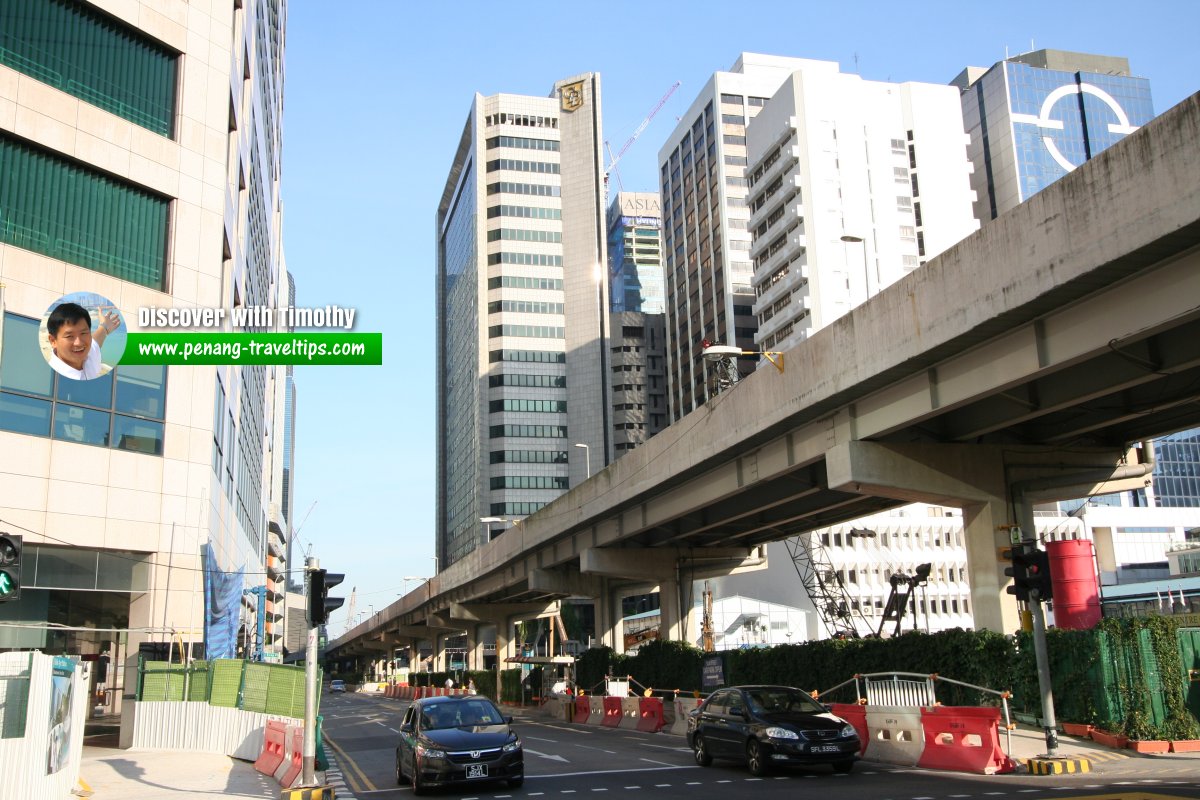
375	101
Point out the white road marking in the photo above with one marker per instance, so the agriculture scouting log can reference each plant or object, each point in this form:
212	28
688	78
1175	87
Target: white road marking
538	739
652	761
547	756
601	749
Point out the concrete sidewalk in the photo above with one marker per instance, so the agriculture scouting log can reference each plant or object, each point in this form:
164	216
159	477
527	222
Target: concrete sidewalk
145	774
152	774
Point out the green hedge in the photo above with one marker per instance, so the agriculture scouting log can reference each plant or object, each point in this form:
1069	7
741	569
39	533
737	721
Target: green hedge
1125	676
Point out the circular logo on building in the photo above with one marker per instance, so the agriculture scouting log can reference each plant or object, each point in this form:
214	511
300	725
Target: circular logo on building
1046	122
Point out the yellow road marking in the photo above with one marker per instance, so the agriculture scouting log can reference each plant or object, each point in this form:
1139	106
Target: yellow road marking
353	765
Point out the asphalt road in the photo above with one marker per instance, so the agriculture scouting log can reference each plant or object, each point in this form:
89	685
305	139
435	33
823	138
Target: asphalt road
562	760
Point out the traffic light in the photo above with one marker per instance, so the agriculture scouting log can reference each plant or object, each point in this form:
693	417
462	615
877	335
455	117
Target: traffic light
1030	572
1018	571
319	602
10	566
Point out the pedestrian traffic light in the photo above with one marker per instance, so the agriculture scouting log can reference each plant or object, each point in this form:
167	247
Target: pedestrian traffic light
1030	572
10	566
319	602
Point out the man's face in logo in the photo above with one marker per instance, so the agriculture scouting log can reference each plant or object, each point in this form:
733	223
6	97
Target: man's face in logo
73	342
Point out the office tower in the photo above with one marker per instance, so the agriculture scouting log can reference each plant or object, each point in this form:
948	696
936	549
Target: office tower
140	163
852	185
638	326
1035	117
706	243
523	393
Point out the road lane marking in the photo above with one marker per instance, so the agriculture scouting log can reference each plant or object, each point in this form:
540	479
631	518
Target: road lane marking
652	761
539	739
601	749
546	755
607	772
359	775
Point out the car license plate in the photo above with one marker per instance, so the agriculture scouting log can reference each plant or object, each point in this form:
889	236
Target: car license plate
825	748
476	770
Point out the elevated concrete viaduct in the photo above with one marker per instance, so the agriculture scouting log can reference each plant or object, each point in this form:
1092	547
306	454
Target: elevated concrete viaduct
1022	362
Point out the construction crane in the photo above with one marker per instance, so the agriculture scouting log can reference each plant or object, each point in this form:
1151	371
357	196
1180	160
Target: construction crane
824	585
614	159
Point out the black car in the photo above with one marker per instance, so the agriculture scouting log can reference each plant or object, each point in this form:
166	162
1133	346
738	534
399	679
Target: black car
465	739
768	726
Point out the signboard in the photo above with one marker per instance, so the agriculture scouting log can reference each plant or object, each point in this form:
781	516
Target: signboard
58	751
712	671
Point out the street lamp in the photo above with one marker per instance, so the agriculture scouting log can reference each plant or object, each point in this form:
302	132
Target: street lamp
587	454
408	578
435	564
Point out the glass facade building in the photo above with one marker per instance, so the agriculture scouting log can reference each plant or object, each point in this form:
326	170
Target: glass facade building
1035	117
521	313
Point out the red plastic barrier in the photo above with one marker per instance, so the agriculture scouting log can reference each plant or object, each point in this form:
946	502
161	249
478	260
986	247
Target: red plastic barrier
293	772
583	709
856	715
272	753
963	738
650	715
612	712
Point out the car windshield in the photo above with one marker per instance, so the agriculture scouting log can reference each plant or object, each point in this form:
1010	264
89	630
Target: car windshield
459	715
337	683
776	700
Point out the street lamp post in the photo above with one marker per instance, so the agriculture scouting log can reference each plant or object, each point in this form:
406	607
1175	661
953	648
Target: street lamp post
435	564
587	455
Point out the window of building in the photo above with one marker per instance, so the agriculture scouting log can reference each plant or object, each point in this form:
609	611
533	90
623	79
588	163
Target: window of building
528	457
93	57
124	409
529	482
95	221
522	404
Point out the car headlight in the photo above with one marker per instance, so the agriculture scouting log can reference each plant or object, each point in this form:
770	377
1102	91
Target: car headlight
781	733
428	752
848	730
512	747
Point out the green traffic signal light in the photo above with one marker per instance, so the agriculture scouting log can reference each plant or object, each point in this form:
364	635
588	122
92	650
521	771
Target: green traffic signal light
10	566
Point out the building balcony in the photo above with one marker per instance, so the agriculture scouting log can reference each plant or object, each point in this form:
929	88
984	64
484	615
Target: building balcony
796	277
792	188
795	244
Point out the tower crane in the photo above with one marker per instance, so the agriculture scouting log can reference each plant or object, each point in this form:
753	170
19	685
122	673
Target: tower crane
613	159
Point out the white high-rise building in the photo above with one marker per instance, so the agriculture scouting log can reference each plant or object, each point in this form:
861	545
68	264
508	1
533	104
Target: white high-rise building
852	185
523	389
706	239
140	163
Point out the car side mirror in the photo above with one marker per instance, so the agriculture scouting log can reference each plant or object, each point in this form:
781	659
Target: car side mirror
406	727
508	720
737	711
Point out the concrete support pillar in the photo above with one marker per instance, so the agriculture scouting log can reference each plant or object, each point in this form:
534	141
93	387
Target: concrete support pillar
608	617
992	608
672	624
475	646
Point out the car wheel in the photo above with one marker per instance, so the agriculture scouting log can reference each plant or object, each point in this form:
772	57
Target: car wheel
754	758
417	786
515	783
700	751
843	766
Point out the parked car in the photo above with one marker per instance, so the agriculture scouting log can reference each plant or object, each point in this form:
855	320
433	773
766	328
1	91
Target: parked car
768	726
337	686
455	740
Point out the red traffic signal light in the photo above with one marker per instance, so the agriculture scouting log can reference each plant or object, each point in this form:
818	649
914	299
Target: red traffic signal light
1030	572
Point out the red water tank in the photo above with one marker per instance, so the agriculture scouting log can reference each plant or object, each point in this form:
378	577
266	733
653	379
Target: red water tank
1076	591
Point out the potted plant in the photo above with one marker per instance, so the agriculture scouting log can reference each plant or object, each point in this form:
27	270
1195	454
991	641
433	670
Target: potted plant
1081	729
1118	740
1183	732
1143	735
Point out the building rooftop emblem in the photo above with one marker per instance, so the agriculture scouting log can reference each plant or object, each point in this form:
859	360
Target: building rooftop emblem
1044	121
572	96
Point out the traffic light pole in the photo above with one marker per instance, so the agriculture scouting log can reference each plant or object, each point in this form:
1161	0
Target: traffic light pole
1049	725
309	777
